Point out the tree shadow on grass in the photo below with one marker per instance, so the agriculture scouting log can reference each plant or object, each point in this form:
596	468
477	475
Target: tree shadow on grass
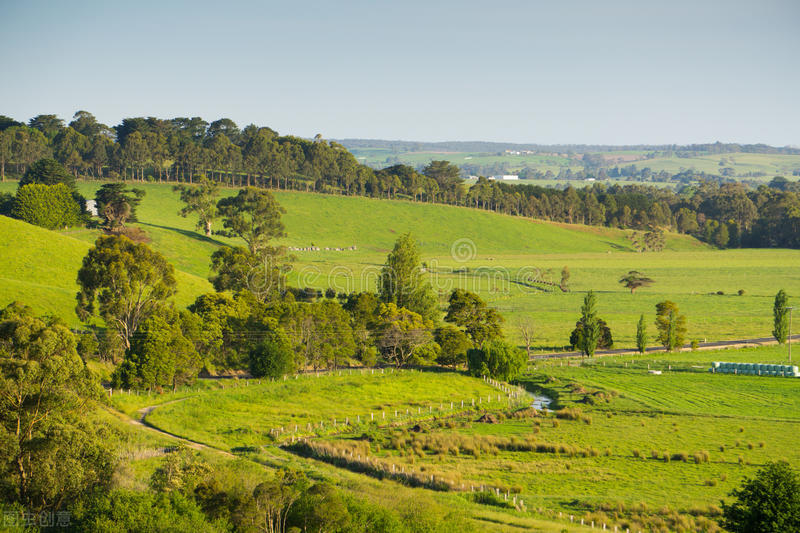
186	233
618	247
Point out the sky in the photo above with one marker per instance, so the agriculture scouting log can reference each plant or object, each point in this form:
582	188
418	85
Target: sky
548	72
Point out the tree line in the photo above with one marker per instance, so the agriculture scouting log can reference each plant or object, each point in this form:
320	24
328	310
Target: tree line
185	149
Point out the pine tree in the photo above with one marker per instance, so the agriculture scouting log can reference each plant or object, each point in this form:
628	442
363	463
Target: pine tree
590	332
781	314
641	335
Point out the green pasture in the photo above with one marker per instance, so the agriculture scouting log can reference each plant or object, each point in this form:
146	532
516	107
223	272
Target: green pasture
610	464
498	256
40	268
244	415
714	430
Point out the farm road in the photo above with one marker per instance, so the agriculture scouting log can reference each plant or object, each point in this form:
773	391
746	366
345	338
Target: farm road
742	343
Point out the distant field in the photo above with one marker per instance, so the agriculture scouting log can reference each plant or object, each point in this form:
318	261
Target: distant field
742	163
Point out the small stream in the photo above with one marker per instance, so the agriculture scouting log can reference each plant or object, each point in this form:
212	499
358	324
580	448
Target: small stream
540	402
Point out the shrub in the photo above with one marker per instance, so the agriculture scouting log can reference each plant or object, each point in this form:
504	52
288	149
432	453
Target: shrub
681	456
123	510
137	235
273	357
497	359
568	413
770	502
48	206
6	204
48	172
489	498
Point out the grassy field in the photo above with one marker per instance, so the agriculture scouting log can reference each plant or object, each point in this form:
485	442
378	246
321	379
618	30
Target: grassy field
252	411
610	463
494	255
607	465
141	451
632	449
372	225
40	267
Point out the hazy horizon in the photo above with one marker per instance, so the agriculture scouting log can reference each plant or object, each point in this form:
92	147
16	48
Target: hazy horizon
617	73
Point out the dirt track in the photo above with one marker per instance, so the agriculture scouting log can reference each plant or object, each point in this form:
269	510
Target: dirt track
743	343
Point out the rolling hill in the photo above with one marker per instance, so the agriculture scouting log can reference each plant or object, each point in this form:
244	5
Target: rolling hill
39	268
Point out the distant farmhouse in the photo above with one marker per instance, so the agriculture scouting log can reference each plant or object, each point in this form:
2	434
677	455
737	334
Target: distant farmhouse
505	177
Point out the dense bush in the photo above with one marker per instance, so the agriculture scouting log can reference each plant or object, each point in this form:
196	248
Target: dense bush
48	172
769	502
160	355
454	344
272	357
141	512
6	203
604	342
48	206
497	359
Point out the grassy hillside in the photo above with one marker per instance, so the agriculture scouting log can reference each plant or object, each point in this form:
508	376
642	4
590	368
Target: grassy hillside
252	411
494	255
39	268
371	225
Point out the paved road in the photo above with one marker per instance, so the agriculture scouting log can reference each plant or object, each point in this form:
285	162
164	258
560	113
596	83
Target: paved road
763	341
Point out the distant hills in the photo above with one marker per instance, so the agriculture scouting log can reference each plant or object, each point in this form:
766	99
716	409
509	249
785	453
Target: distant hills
483	146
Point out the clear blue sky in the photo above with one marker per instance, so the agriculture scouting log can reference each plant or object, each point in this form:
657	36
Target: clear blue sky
566	71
